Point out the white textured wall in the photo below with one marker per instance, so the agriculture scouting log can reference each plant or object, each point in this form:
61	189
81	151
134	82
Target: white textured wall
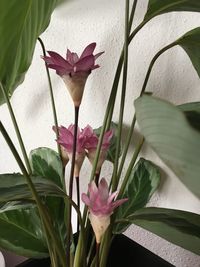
76	24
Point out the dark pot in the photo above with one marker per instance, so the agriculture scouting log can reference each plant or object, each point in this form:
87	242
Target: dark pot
124	252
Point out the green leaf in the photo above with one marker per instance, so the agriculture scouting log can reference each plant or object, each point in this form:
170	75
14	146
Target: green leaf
16	205
46	162
190	42
21	25
21	233
14	187
168	132
112	148
178	227
143	181
192	113
158	7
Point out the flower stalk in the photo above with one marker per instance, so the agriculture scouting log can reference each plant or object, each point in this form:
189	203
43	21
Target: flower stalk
71	179
15	124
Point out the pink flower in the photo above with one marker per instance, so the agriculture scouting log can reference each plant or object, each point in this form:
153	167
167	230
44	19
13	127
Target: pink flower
74	70
91	145
101	205
65	139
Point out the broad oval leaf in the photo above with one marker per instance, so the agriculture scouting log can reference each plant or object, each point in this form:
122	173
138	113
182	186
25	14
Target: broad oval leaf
46	162
178	227
158	7
168	132
21	233
14	187
21	25
143	182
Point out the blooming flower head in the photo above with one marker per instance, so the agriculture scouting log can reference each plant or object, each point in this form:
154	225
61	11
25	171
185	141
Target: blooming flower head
65	139
92	142
101	205
74	70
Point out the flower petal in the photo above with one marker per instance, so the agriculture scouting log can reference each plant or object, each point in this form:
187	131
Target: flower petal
85	199
119	202
59	60
88	50
98	55
85	64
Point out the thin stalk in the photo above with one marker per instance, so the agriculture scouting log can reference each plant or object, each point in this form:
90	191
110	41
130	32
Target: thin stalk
130	167
152	64
19	137
41	209
91	251
71	179
78	199
126	147
132	15
134	118
97	176
123	95
51	93
97	254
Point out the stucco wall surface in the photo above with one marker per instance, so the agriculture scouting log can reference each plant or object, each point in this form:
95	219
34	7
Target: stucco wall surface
73	26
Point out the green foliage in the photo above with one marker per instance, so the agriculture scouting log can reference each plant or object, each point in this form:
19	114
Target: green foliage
14	187
21	232
192	113
168	132
158	7
143	181
47	163
21	25
190	42
178	227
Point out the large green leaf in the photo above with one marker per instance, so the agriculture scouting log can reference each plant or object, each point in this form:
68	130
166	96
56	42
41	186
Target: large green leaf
179	227
190	42
46	162
168	132
192	113
143	181
158	7
14	187
21	25
21	232
112	148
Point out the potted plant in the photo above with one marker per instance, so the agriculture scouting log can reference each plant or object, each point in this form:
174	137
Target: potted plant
36	205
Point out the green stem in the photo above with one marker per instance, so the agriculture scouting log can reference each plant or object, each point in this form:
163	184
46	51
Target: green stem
71	179
19	137
152	64
126	147
130	167
134	118
123	95
78	199
132	15
43	213
51	93
97	254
